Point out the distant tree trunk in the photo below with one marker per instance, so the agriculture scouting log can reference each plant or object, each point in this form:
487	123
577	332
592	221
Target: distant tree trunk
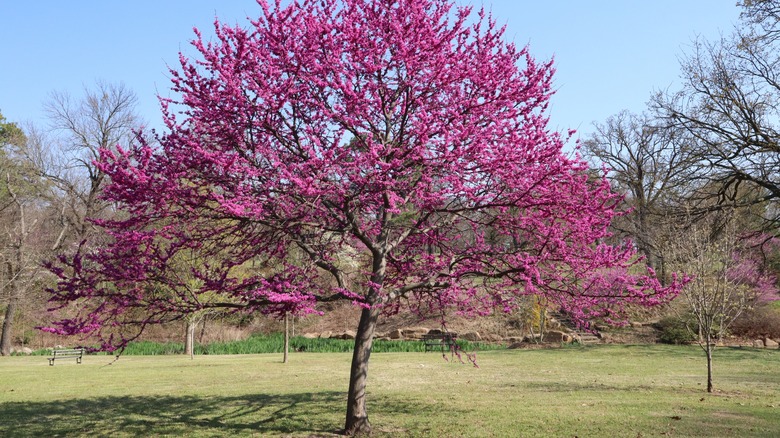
357	416
708	351
286	336
14	268
189	342
10	311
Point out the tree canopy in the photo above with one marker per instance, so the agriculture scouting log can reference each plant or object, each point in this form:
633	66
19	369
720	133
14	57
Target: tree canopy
391	153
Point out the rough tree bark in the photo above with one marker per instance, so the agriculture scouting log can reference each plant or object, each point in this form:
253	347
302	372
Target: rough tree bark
357	415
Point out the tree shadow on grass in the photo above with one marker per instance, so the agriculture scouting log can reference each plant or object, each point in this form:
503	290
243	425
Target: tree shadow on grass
301	414
308	413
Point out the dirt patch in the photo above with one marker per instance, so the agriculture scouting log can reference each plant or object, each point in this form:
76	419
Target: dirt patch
338	318
636	334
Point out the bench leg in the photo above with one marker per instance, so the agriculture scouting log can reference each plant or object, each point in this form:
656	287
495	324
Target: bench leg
51	361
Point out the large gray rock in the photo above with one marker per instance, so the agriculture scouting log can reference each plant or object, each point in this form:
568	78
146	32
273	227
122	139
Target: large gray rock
758	343
395	334
311	335
414	332
471	336
769	343
326	335
557	336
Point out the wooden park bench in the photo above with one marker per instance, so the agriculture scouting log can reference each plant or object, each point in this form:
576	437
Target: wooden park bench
76	353
439	341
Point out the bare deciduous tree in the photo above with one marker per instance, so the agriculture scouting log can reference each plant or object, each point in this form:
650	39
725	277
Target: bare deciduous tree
104	117
650	165
729	105
727	277
22	225
50	185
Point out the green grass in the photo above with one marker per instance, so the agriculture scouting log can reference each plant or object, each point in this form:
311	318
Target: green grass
594	391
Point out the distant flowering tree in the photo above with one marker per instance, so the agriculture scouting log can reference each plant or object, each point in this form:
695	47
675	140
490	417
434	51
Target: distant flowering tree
729	276
393	153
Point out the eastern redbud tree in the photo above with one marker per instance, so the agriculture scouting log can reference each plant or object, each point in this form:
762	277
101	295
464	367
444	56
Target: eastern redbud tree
393	153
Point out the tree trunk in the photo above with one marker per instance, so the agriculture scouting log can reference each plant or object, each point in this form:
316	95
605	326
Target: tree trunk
10	311
189	342
357	415
708	350
286	337
5	340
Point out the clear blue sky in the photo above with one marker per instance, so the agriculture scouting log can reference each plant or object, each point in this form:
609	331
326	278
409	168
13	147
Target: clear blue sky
610	54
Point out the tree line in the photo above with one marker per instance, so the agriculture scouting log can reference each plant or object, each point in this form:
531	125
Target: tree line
49	191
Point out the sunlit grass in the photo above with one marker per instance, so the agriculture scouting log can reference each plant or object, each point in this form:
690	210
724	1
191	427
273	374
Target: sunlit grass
616	391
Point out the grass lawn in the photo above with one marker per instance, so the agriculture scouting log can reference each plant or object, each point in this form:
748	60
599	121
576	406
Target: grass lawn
596	391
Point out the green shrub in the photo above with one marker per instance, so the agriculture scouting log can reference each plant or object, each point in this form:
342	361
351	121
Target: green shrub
675	330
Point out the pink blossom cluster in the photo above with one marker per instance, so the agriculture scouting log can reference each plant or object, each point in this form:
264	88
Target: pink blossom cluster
749	267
